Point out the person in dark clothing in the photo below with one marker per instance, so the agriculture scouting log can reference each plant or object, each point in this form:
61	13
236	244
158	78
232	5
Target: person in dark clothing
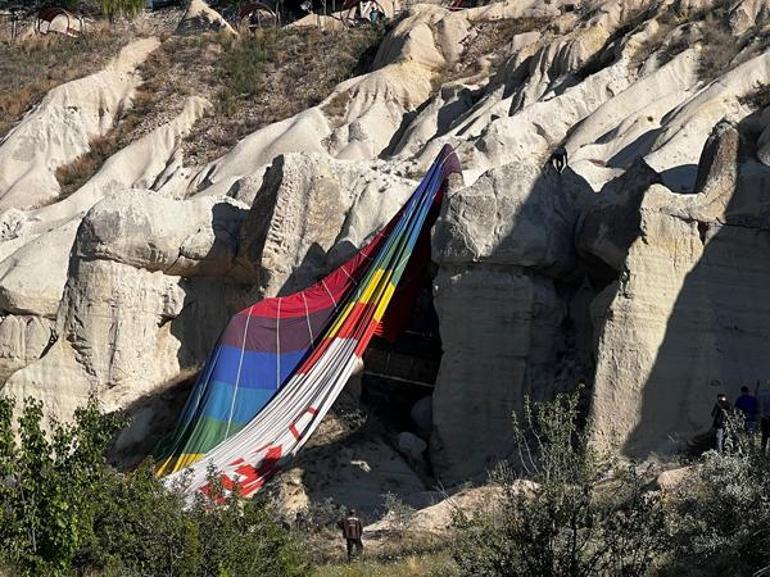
749	406
719	413
352	530
559	159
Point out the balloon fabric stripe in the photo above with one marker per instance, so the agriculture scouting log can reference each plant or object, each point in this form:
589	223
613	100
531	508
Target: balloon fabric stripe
282	362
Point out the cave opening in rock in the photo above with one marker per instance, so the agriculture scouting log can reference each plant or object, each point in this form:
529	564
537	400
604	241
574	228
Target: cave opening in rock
401	365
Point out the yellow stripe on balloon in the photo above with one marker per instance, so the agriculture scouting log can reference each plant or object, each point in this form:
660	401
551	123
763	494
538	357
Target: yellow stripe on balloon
384	300
372	285
174	464
341	319
187	459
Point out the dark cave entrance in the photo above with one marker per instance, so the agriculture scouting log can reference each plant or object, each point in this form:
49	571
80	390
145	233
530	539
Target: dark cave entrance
400	369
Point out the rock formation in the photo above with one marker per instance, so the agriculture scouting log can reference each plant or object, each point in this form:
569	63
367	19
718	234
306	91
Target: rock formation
638	270
61	127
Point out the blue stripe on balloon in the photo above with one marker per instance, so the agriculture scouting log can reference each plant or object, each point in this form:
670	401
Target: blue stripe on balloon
248	402
258	370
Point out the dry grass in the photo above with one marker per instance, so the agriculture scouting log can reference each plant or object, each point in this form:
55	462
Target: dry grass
337	106
719	47
253	81
31	68
426	565
655	42
275	74
128	127
73	175
177	69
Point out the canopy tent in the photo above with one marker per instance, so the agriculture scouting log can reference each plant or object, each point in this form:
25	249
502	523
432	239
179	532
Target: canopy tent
281	363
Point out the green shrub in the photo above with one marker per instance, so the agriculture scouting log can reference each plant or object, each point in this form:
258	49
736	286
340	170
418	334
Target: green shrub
64	511
243	64
720	516
50	483
146	529
142	529
126	8
585	514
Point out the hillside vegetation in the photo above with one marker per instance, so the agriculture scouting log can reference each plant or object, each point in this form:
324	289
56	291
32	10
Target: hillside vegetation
563	510
253	81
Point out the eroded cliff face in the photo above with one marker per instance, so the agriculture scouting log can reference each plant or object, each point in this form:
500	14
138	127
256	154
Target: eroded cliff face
638	270
685	320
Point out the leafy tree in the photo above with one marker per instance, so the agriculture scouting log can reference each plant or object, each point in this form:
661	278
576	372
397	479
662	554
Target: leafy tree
142	529
244	538
65	511
148	529
51	484
585	514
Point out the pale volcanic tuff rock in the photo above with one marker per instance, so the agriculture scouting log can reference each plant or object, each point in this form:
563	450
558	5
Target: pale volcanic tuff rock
310	214
134	286
499	244
686	319
608	146
60	128
35	246
606	273
151	273
363	115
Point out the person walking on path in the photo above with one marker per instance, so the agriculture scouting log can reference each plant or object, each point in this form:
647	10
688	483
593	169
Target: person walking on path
719	414
352	530
749	406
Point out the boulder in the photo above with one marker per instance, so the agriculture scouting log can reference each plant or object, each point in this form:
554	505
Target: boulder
349	470
672	479
149	231
411	446
437	520
421	414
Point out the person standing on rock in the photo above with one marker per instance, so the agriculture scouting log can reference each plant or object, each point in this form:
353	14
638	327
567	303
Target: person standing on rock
719	413
352	530
559	159
748	405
